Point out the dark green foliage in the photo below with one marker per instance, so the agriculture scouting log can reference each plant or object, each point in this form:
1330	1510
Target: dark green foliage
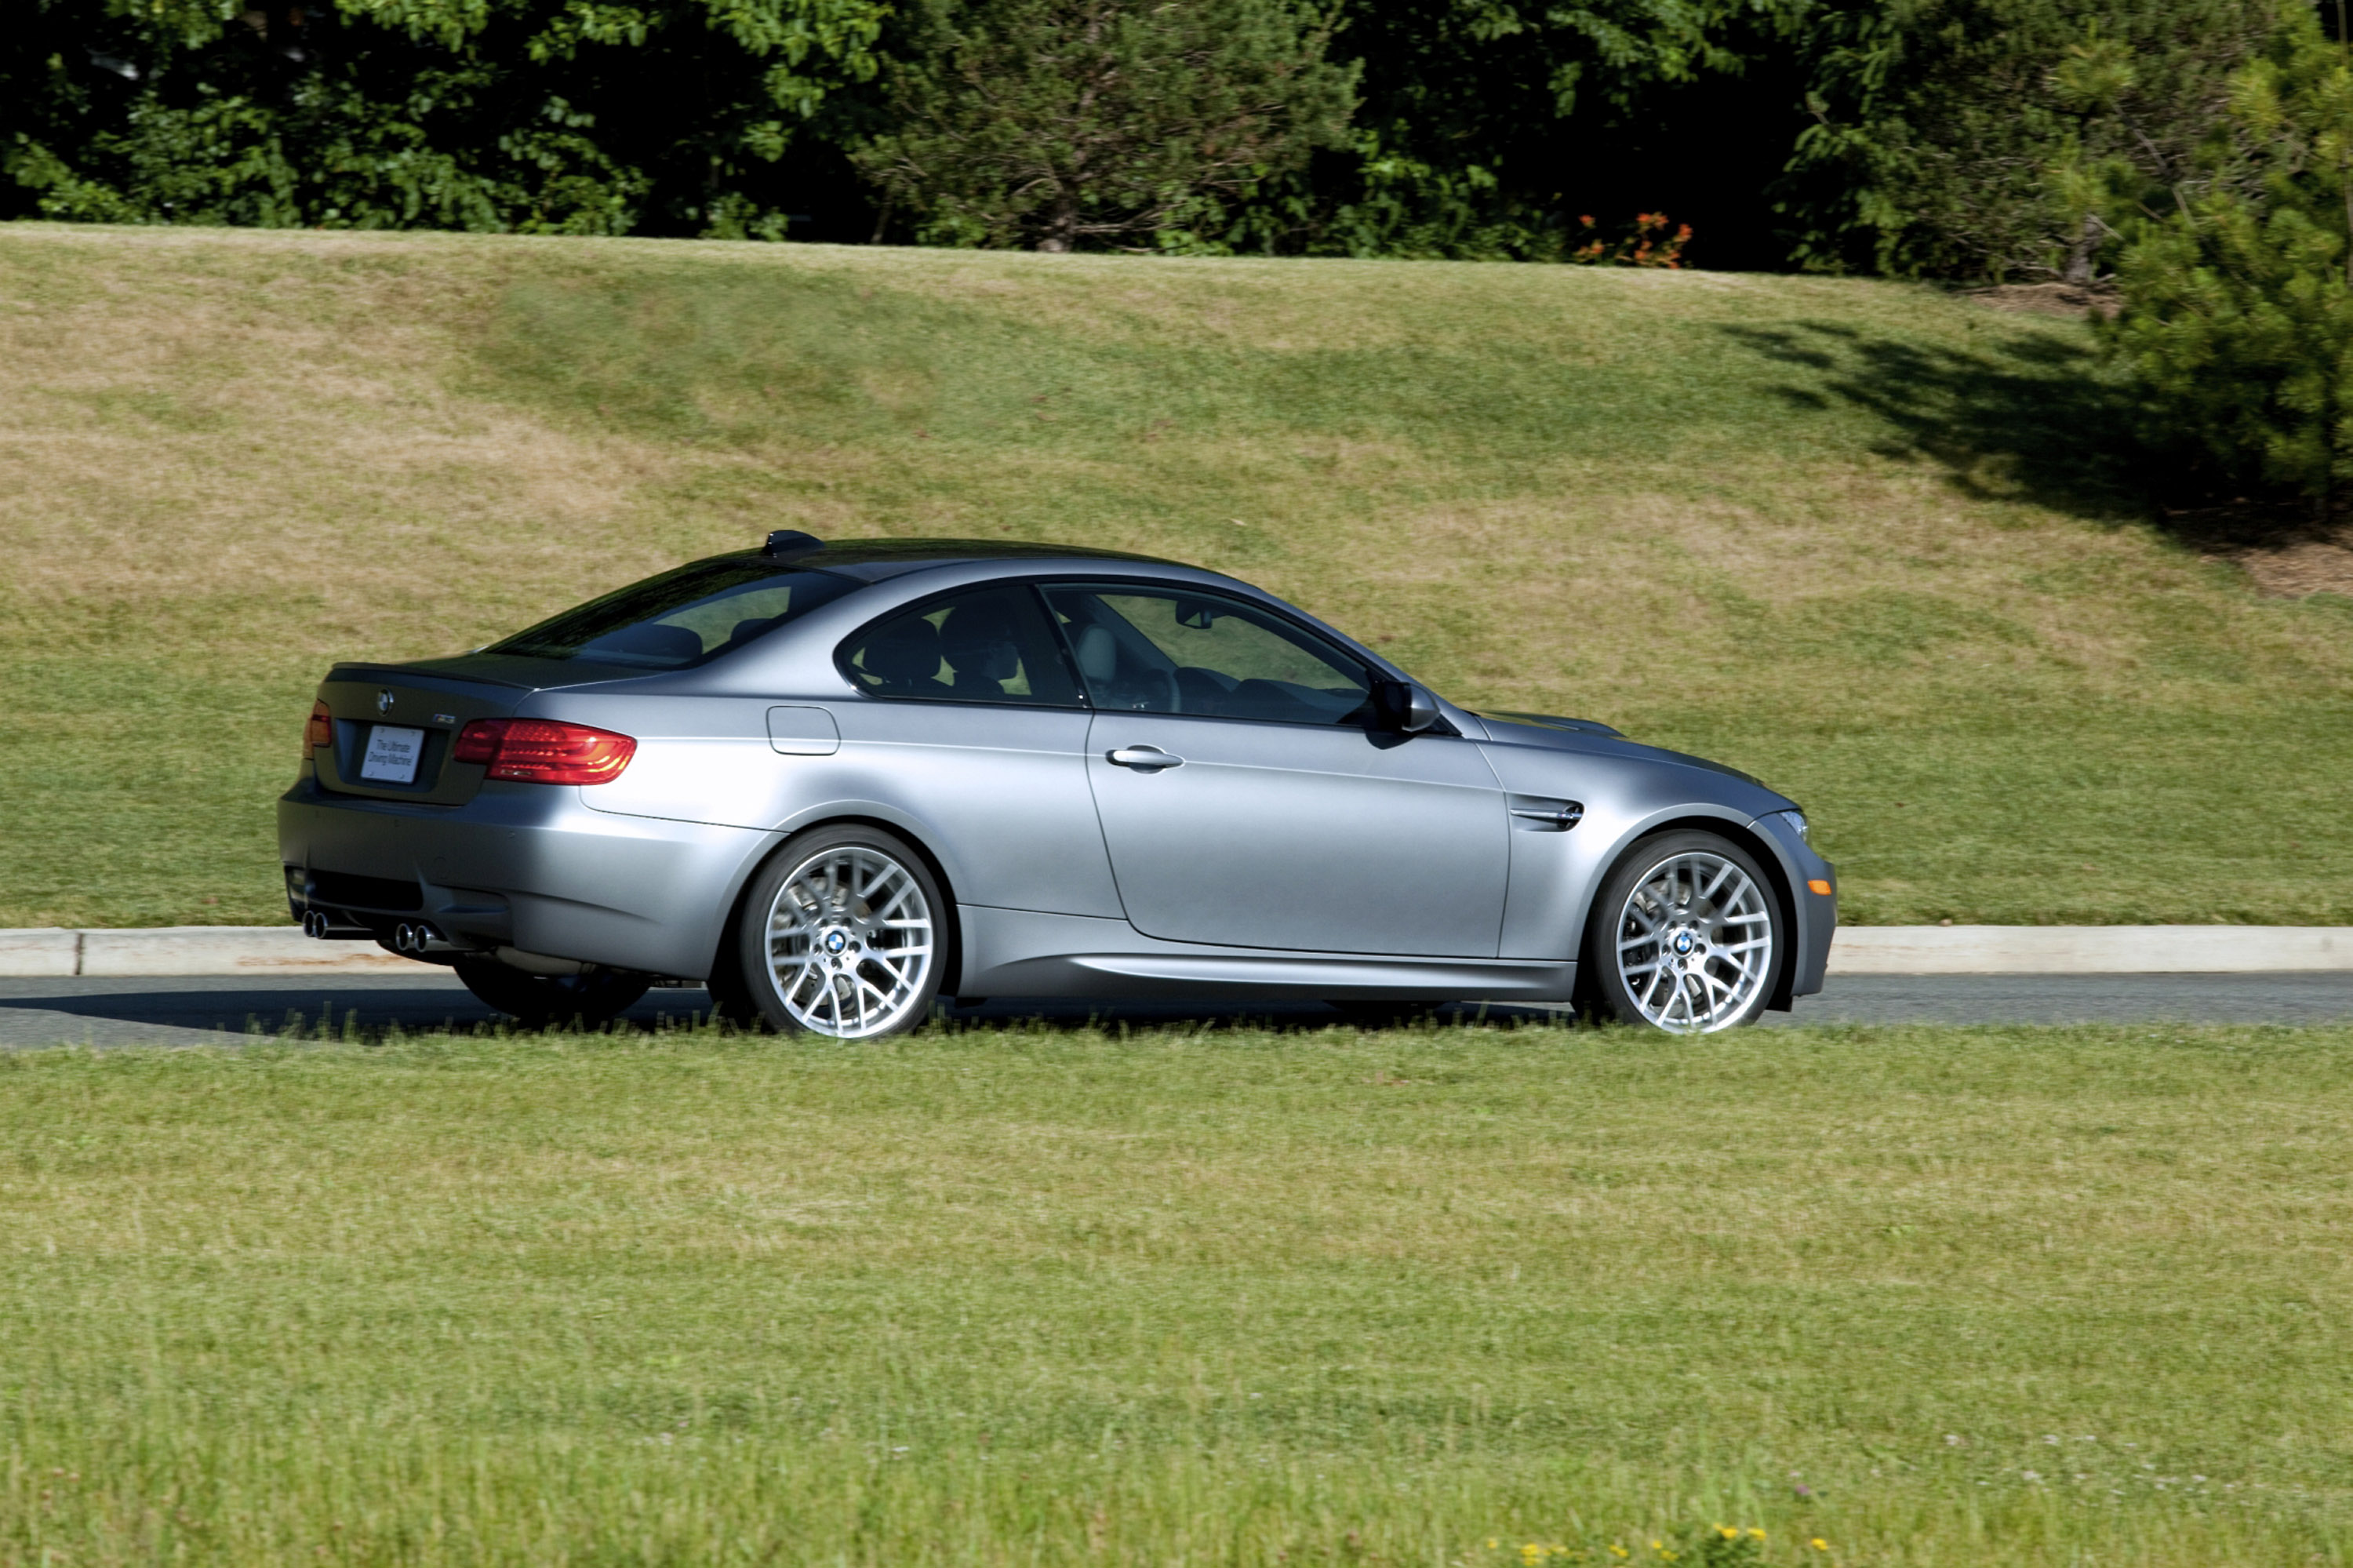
1998	138
2237	320
1487	130
1059	123
1490	127
672	116
1964	139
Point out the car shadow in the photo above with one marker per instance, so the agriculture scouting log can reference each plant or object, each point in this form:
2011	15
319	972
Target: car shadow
117	1012
1064	1013
258	1010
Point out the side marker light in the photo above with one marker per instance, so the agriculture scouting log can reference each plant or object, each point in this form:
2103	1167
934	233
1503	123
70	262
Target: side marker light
1816	885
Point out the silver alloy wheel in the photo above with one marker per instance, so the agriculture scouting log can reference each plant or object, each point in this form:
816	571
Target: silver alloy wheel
850	943
1695	943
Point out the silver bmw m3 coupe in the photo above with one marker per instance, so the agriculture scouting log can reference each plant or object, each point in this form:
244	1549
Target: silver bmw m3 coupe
837	782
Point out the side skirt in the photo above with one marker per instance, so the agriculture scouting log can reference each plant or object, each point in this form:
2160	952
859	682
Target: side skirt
1019	952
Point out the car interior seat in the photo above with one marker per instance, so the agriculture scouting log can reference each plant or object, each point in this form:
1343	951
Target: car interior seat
902	659
980	646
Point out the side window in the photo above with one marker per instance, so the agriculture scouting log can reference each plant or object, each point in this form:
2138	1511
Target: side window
991	645
1166	651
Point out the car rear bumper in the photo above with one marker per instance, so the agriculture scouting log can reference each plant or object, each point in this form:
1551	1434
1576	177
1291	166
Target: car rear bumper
528	866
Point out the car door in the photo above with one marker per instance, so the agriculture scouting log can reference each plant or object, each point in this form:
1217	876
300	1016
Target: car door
977	730
1247	799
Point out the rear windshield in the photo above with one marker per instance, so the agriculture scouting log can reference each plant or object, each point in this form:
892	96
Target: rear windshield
680	618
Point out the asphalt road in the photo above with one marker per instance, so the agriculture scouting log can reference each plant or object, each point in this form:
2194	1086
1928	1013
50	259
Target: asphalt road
188	1011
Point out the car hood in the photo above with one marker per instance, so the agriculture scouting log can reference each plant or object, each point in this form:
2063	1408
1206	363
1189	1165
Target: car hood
1594	739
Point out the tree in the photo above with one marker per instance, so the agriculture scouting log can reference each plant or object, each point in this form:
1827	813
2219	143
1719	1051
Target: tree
2236	325
1063	123
662	116
1995	138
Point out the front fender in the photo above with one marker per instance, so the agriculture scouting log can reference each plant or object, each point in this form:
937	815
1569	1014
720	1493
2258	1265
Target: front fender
1555	874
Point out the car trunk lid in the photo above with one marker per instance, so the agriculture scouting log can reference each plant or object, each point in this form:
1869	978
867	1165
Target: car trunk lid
395	726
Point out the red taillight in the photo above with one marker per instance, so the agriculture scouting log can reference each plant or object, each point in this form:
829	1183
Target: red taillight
321	731
542	751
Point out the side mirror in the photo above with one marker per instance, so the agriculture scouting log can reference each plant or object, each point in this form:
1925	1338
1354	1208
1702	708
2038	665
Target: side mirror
1403	706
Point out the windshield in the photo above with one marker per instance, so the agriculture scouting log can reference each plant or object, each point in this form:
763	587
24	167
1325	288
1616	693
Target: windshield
683	616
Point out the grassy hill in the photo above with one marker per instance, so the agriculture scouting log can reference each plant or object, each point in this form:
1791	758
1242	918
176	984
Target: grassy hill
1871	543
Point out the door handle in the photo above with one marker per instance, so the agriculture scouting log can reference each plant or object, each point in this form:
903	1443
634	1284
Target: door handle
1145	759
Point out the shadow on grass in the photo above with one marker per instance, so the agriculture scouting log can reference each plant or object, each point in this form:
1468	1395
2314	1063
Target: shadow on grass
133	1012
2030	416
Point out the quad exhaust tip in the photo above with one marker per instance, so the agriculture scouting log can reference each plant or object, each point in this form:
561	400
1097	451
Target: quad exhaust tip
416	937
314	924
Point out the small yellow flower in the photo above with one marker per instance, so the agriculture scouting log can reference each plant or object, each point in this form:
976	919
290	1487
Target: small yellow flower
1819	1544
1618	1548
1727	1532
1491	1543
1757	1532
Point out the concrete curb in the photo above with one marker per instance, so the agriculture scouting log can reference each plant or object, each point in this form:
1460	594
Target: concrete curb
2088	950
57	952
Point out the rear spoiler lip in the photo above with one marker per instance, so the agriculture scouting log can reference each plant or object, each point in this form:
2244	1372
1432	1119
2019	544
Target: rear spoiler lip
421	673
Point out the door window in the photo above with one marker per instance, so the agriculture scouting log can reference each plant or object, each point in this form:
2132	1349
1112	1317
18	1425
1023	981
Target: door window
1171	650
990	645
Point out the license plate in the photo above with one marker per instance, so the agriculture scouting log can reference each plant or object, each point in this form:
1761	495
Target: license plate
392	754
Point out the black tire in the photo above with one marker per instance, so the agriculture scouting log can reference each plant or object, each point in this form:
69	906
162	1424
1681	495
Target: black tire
589	1000
731	997
828	987
1722	930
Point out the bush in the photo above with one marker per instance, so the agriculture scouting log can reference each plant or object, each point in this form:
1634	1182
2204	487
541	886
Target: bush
1059	123
539	116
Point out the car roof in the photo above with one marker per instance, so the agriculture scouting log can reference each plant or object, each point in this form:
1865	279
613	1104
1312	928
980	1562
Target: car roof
873	560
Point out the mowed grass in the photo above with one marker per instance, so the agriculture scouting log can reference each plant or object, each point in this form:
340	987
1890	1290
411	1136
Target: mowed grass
1880	545
1933	1296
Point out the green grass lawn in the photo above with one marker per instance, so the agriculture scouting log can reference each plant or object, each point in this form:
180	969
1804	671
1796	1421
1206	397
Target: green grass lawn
1875	544
1969	1298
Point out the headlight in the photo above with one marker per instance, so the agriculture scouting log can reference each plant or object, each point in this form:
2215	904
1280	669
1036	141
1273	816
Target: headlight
1796	819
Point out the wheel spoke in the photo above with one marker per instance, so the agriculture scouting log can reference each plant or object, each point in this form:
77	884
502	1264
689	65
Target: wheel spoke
1712	897
870	898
